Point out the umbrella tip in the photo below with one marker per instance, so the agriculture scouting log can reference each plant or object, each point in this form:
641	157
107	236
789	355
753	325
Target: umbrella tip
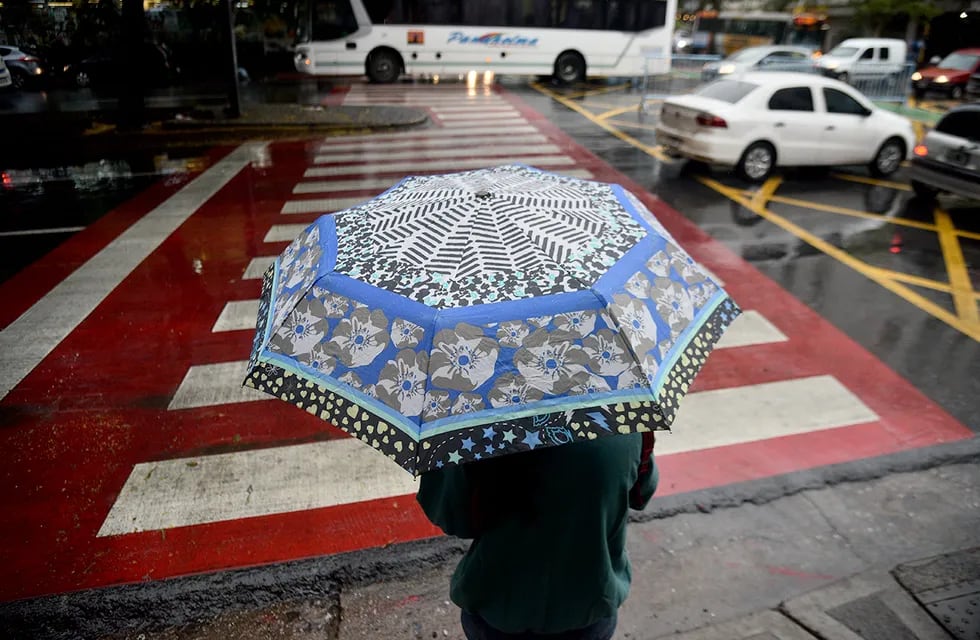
482	194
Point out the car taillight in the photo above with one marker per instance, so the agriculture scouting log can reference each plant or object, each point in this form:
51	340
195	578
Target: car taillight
28	59
7	181
921	150
708	120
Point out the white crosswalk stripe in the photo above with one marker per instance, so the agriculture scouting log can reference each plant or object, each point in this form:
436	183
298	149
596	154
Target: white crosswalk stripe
425	143
321	205
483	150
436	132
457	164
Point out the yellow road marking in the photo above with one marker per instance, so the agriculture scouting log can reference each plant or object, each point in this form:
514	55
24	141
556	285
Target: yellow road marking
97	128
920	281
959	277
873	181
764	194
596	92
617	111
873	273
649	150
856	213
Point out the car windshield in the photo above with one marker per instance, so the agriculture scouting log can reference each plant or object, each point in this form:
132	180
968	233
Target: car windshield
727	90
842	52
959	61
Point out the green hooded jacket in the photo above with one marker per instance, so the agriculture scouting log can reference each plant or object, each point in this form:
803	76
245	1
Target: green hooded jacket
548	529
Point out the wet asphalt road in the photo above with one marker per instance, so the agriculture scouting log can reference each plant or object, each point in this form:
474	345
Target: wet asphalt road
45	206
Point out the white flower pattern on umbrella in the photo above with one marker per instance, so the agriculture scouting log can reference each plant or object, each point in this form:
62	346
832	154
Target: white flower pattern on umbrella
549	360
359	339
607	353
632	378
659	264
351	379
638	285
334	305
463	358
318	359
674	303
512	390
635	322
578	323
685	266
405	334
299	333
402	383
468	403
436	405
589	383
512	333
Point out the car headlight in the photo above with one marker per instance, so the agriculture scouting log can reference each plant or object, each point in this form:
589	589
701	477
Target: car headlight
725	69
916	76
831	65
942	80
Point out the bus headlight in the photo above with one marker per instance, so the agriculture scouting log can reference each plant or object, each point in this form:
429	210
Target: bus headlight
725	69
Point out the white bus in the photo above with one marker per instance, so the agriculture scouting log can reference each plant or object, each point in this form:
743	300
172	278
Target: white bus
564	38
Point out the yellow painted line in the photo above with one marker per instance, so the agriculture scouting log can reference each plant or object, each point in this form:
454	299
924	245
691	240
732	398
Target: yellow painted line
597	92
585	113
764	194
972	235
873	273
97	128
873	181
959	277
918	281
616	112
855	213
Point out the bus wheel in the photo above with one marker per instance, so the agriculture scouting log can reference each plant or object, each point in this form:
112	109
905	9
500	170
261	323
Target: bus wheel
570	67
383	66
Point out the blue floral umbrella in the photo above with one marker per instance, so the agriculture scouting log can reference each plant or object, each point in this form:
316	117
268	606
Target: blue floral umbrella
463	316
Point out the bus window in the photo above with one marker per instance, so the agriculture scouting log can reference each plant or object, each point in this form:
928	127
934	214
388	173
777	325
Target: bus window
333	19
635	15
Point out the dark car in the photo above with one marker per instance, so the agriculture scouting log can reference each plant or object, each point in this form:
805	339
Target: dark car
950	75
973	86
156	68
948	160
24	68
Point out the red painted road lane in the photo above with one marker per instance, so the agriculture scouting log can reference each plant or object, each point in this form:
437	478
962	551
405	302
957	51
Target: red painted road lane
97	405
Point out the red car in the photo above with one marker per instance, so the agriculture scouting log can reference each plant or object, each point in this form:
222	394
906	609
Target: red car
949	76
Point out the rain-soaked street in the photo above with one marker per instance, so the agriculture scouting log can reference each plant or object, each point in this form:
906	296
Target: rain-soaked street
132	288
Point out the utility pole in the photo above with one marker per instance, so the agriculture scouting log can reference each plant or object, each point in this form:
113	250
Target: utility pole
234	109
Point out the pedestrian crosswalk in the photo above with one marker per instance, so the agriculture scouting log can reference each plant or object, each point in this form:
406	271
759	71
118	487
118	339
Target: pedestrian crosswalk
467	132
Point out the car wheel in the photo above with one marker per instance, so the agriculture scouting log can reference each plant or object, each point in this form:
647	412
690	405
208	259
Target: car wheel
384	66
956	92
82	79
757	162
18	79
569	68
889	158
924	191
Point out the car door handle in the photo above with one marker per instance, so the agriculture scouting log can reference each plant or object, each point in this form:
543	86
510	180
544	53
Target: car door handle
779	124
351	45
830	128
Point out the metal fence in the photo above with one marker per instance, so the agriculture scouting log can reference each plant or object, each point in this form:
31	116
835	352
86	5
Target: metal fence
685	73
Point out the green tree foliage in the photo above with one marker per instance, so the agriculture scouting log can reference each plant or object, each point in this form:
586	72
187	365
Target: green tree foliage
875	14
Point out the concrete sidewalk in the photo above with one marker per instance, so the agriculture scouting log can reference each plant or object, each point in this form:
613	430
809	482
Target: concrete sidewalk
865	559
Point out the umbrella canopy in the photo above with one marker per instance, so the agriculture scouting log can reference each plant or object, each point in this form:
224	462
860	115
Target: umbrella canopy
462	316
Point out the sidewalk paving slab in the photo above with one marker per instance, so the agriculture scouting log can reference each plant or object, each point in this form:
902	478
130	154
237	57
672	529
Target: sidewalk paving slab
871	606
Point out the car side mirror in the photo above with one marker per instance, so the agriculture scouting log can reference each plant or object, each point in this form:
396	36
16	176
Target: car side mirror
934	60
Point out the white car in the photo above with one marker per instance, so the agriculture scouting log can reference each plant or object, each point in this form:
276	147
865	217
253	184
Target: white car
761	120
764	58
5	78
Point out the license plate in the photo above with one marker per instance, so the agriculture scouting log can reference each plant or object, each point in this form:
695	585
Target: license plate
958	157
923	83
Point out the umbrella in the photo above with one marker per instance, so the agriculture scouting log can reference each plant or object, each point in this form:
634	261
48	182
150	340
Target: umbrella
464	316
